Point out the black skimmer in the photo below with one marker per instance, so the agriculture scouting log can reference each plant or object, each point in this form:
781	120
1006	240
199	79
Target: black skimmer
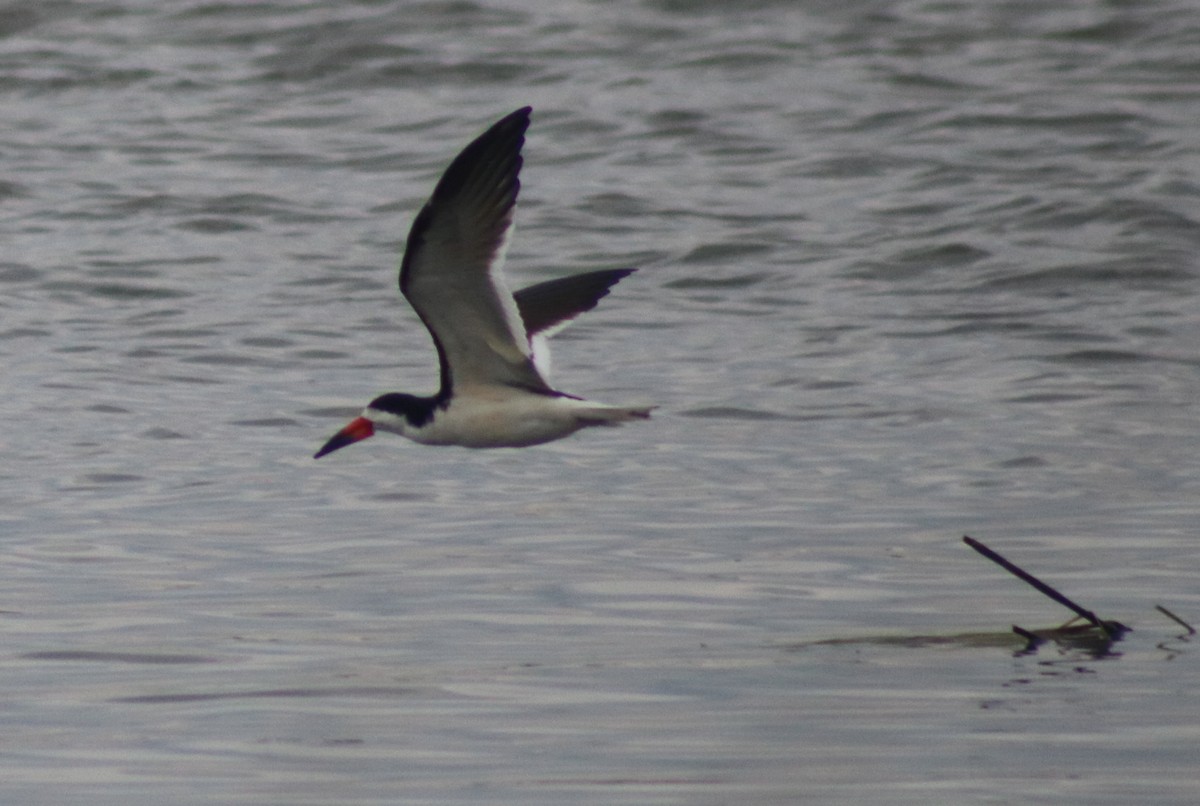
490	342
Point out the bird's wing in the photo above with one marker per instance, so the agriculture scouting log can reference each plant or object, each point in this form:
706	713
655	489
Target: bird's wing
451	274
547	306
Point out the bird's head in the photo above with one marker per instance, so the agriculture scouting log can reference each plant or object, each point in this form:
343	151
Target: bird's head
395	412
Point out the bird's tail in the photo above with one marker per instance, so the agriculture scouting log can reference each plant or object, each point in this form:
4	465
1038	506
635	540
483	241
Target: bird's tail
614	415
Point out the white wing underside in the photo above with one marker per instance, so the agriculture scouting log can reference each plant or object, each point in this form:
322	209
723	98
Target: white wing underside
540	345
471	313
452	265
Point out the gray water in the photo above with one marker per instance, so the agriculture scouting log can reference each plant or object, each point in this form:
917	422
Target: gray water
909	270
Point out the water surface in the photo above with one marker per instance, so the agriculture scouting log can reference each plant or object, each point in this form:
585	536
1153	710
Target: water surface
907	271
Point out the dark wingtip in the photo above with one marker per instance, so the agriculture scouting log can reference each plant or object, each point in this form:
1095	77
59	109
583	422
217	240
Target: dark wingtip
503	140
490	163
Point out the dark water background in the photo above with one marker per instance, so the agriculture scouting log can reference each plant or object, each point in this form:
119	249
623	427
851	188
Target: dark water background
908	270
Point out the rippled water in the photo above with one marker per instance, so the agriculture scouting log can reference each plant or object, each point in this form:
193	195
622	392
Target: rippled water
908	270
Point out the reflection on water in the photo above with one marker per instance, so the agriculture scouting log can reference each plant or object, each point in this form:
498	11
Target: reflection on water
906	272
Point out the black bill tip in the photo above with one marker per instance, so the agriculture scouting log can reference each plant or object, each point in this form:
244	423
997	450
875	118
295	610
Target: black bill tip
358	430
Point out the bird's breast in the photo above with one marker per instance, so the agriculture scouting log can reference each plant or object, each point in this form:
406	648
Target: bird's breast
489	419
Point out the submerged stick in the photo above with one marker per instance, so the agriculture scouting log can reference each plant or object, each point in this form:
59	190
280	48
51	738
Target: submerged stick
1025	576
1032	638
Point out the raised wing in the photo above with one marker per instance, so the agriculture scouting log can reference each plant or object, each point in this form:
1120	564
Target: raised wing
546	306
451	268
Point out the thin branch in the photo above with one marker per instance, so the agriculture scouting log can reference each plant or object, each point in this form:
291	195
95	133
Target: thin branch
1042	587
1191	630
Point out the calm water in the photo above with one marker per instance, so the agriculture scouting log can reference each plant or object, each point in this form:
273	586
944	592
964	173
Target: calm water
909	270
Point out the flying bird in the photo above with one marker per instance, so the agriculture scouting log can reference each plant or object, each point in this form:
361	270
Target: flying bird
491	343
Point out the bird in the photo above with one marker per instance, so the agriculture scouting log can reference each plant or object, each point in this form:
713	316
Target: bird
490	342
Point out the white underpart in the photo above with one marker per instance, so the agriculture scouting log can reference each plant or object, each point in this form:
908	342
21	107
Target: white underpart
493	417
